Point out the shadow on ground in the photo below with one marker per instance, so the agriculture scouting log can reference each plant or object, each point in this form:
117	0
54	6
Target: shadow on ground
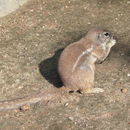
48	69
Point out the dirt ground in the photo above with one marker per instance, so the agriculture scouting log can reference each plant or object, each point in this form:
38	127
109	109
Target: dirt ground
31	40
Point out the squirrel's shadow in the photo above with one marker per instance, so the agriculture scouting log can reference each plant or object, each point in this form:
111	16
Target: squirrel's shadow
48	69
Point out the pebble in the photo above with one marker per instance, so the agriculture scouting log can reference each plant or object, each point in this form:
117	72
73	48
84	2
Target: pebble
128	75
25	108
71	118
128	2
66	104
124	90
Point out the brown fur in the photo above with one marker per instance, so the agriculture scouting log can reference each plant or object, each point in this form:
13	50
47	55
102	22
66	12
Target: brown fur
78	75
76	68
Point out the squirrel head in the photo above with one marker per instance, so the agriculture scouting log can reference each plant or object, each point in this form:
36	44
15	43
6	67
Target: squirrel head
100	37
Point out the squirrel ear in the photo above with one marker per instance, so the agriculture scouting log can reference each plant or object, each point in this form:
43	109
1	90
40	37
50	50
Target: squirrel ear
100	37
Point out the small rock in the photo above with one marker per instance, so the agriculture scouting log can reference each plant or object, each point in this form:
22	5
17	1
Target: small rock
25	108
128	75
128	2
66	104
122	54
37	34
124	90
85	8
31	10
71	118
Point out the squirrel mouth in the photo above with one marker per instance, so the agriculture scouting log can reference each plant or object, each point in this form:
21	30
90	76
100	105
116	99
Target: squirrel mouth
113	41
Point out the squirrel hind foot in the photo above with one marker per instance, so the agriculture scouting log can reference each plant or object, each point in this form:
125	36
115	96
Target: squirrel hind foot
91	90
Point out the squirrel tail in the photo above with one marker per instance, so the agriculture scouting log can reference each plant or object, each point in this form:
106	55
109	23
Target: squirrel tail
17	103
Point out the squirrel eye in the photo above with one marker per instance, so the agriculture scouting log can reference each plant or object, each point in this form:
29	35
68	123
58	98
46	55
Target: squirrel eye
107	34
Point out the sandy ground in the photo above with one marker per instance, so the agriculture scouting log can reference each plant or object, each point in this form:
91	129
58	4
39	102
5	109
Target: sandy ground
31	40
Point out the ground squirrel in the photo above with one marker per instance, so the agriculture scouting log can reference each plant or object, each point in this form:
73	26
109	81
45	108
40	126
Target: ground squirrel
77	61
76	68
